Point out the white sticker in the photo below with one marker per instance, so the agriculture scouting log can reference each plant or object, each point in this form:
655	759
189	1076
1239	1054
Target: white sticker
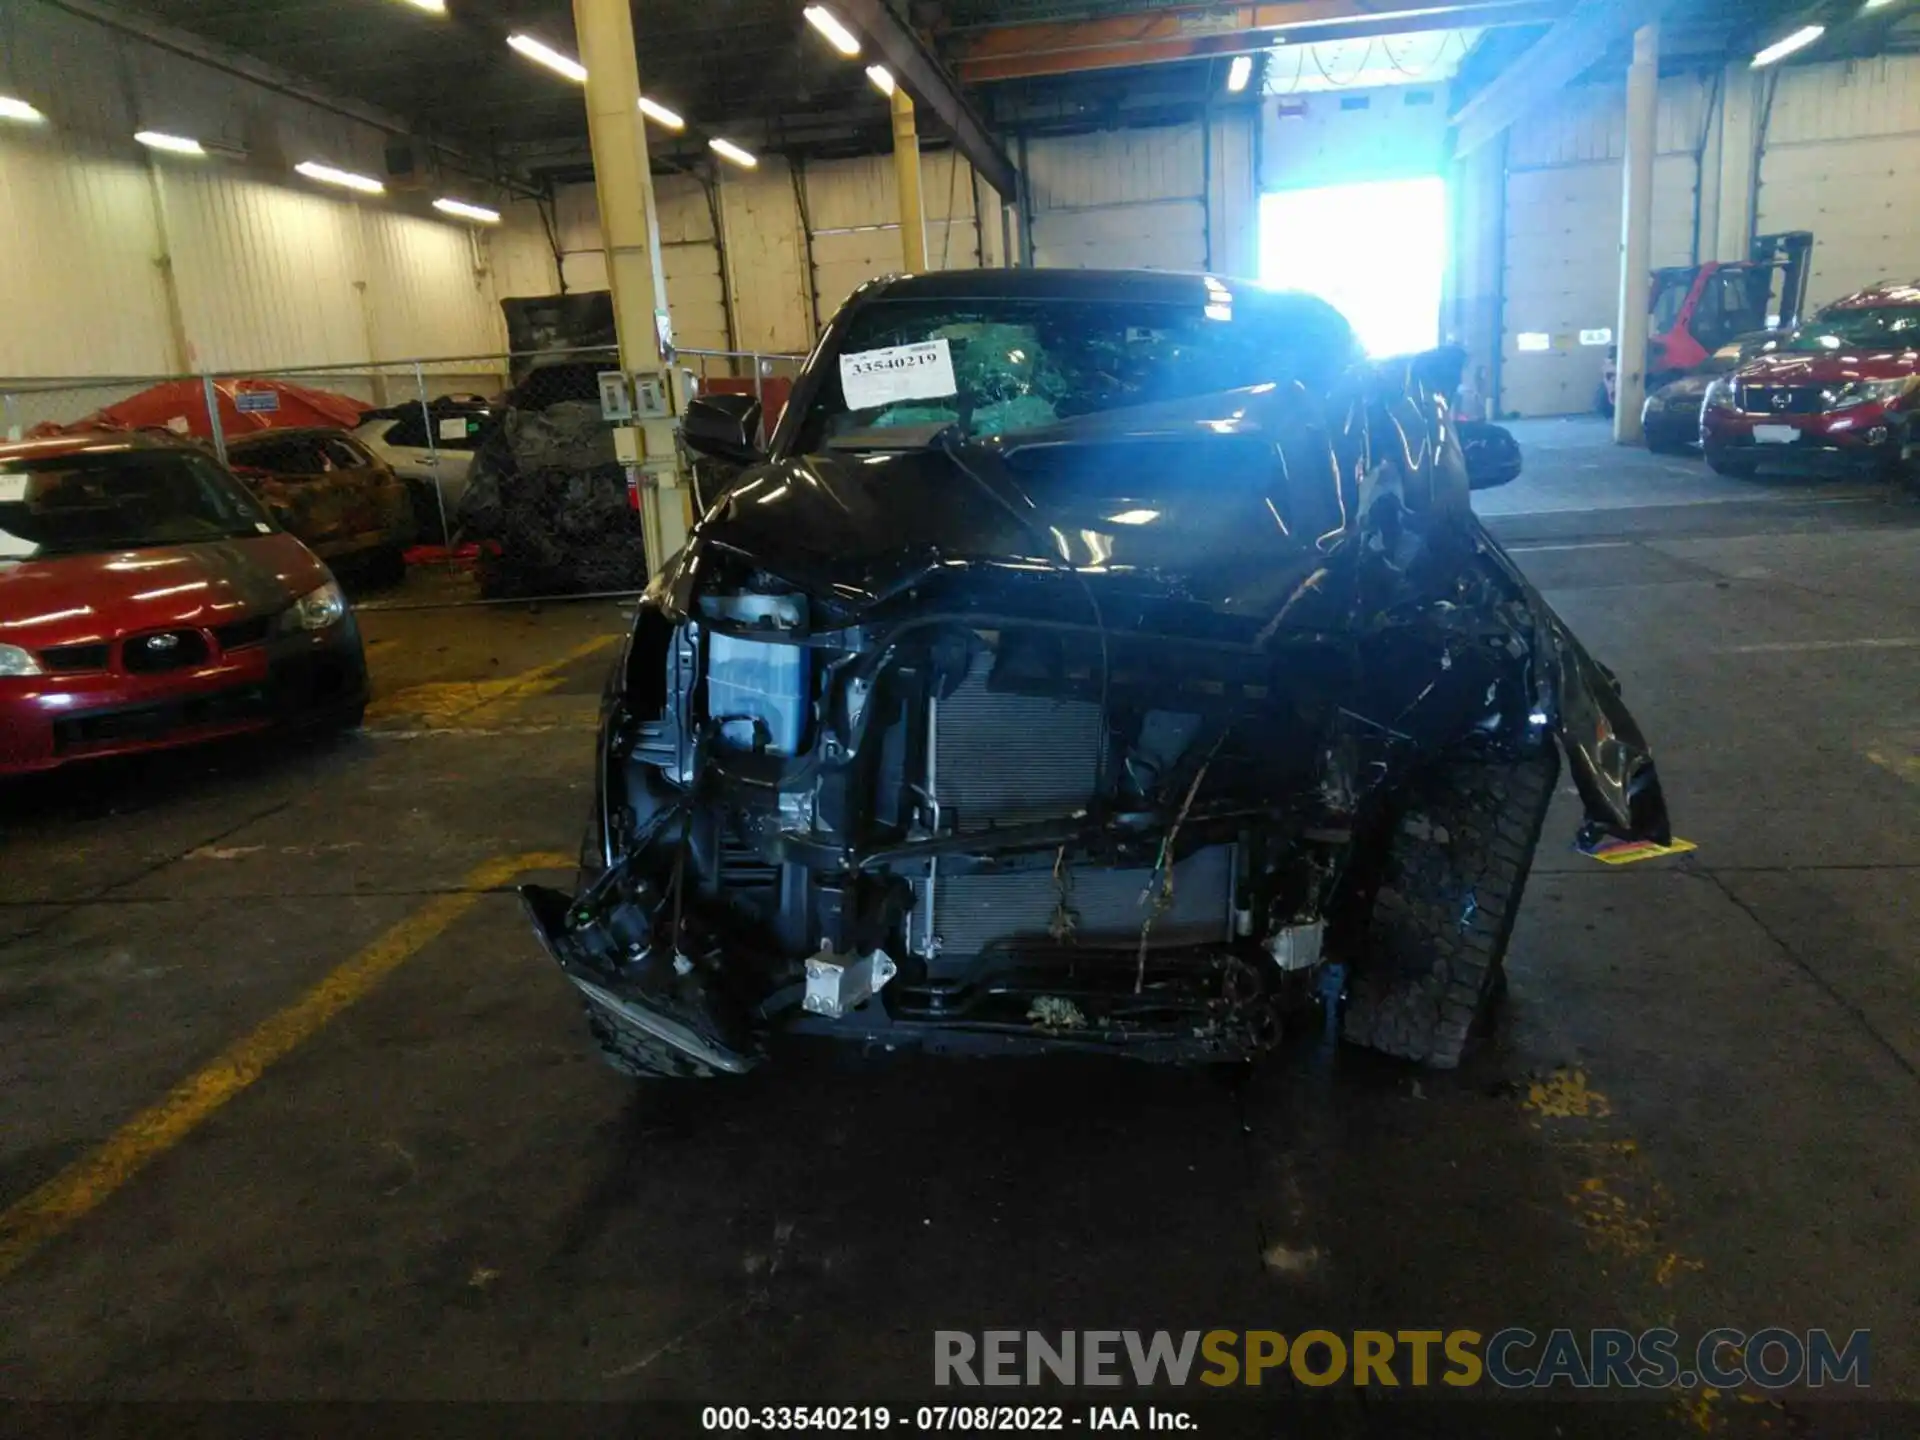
178	424
1596	337
453	427
1532	342
263	527
13	489
871	378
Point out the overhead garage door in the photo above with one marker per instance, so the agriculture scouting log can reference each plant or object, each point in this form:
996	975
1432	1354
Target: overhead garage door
1121	199
1856	197
853	209
1563	275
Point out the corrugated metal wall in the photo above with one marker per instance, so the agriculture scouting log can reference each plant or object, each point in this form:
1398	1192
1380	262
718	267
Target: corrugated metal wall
269	270
1562	244
1842	151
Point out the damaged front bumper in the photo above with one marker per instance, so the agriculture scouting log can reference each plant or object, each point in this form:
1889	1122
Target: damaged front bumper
951	798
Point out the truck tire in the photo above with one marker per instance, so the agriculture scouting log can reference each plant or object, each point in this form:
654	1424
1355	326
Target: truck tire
1454	868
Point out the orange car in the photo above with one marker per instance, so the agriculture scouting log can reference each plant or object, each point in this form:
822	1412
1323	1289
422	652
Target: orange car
329	489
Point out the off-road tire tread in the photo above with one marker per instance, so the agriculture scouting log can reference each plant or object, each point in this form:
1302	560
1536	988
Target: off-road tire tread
1424	977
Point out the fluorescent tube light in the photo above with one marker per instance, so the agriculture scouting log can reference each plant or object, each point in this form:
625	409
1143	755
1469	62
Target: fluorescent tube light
329	175
466	211
828	24
172	144
546	55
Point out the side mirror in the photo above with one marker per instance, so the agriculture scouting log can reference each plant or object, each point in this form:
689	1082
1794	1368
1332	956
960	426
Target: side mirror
722	427
1492	454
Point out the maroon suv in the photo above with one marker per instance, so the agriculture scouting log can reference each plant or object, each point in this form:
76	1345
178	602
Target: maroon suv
1838	395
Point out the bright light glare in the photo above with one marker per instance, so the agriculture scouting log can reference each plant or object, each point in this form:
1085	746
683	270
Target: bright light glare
328	175
882	79
661	115
1239	73
1134	517
732	152
466	211
548	56
828	24
1798	40
12	109
1376	251
437	7
173	144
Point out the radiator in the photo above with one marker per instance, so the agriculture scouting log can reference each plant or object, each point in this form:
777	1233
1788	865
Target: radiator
1009	759
971	912
1005	759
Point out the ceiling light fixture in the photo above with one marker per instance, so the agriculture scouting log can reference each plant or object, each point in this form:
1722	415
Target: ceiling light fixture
1878	4
828	24
1239	73
542	54
728	150
172	144
466	211
1780	49
660	114
12	109
329	175
437	7
882	79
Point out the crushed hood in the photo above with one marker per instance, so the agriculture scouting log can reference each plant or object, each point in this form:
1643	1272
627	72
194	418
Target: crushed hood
1224	504
1247	517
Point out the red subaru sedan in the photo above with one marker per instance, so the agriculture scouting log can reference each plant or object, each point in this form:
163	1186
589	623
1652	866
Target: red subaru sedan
1838	395
147	600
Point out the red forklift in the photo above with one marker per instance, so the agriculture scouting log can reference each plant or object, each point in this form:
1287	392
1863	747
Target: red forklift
1695	309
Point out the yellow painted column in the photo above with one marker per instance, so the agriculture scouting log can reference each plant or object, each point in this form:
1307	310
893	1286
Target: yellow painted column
630	230
1636	234
906	170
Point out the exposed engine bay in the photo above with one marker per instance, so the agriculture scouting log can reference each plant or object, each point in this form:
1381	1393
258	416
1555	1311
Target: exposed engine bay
1140	729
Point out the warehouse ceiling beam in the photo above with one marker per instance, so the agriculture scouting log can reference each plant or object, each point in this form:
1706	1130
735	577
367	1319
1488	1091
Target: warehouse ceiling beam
1554	61
920	73
270	77
1149	37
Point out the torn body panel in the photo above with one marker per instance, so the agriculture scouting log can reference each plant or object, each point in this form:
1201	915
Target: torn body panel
1102	734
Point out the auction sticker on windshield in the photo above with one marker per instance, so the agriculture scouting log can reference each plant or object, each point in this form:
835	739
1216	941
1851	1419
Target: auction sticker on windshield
871	378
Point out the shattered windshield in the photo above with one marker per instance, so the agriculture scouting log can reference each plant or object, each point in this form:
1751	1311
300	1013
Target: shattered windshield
119	499
1882	328
907	369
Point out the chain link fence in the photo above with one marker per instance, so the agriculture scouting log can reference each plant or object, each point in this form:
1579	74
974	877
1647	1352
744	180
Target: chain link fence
436	480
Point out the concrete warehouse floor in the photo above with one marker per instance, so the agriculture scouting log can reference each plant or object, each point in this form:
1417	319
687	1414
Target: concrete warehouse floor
401	1172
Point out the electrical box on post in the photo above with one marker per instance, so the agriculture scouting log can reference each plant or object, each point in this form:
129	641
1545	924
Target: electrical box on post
616	401
650	400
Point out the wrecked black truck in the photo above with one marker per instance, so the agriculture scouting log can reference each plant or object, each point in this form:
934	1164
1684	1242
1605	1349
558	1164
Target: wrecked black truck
1093	660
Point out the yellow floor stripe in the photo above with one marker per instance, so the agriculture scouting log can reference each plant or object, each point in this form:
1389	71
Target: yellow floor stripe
31	1222
1907	767
444	701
